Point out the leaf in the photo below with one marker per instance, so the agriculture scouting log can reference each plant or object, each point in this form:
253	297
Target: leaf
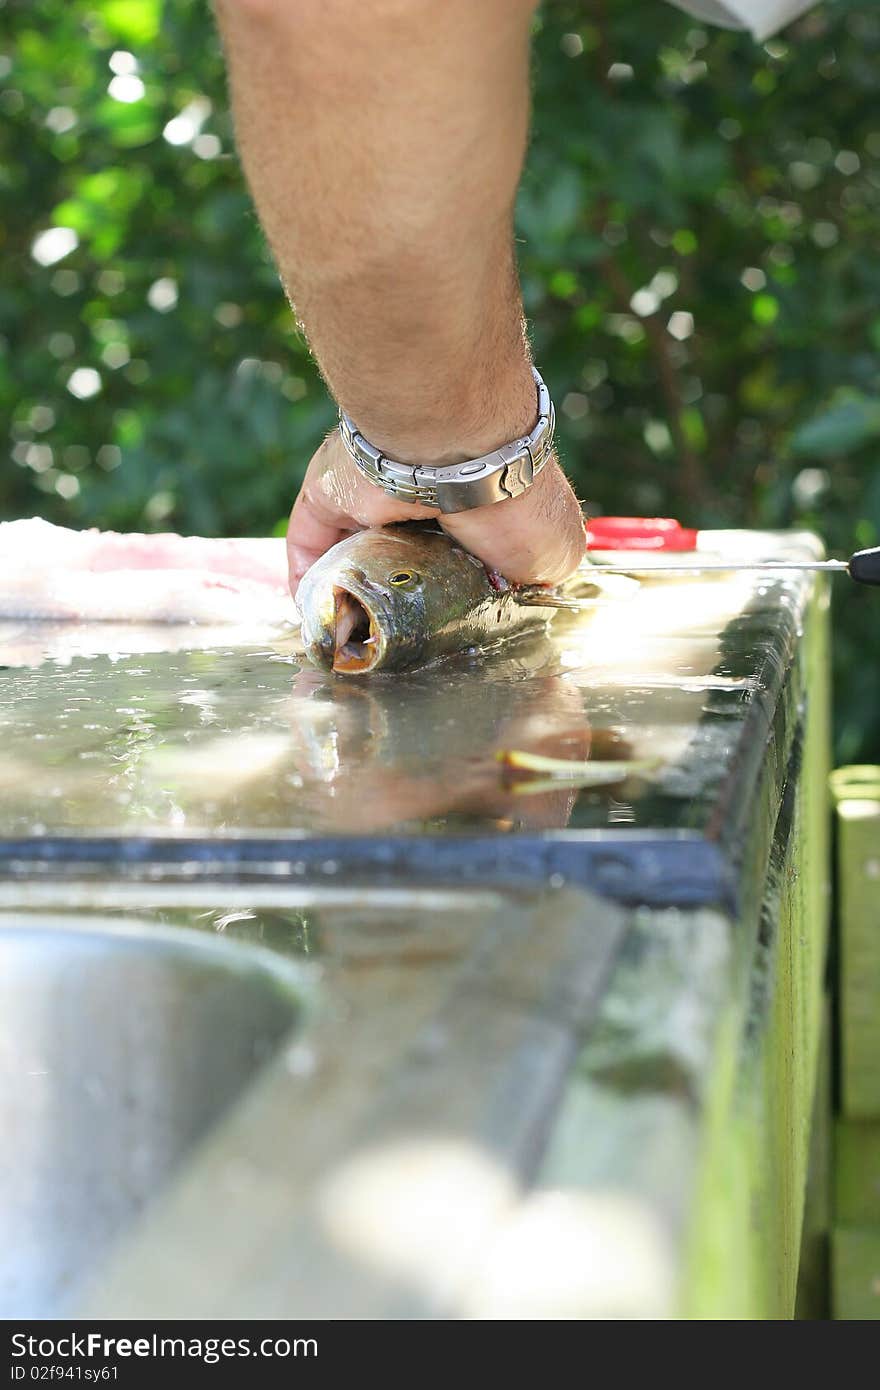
136	21
765	309
839	430
129	126
549	210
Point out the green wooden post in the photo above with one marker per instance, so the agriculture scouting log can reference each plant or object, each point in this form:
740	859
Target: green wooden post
855	1250
855	1264
856	1238
857	794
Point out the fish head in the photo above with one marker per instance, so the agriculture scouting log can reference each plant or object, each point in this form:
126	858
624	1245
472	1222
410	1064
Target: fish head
371	601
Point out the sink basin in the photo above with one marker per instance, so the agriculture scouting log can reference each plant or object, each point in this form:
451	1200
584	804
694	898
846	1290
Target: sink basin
121	1046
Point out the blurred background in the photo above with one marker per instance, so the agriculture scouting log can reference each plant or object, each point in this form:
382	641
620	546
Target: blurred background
699	226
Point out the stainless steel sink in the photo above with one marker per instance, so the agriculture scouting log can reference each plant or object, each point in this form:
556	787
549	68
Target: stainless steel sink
122	1045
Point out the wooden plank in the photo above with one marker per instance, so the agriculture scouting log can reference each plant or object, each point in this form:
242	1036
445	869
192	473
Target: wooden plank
857	794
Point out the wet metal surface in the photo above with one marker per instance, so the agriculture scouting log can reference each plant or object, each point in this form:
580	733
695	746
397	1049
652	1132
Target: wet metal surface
311	1009
210	753
241	740
258	1050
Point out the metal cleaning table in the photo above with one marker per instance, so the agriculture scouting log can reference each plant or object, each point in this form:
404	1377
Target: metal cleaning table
309	1010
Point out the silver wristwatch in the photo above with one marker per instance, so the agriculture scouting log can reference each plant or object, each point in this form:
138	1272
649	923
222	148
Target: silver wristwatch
458	487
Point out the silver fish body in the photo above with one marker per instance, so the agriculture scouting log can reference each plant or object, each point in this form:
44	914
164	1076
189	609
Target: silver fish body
400	597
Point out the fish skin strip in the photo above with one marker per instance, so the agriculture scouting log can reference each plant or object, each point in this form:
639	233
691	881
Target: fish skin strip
54	573
262	558
139	596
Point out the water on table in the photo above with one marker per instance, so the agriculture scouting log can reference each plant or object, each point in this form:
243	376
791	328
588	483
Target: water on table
180	731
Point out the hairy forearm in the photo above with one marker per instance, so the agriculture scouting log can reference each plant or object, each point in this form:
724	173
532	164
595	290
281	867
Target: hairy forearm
383	142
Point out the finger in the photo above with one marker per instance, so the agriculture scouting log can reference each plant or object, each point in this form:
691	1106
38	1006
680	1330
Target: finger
537	537
314	526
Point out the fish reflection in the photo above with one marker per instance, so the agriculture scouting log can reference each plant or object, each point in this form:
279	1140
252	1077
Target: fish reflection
419	750
243	741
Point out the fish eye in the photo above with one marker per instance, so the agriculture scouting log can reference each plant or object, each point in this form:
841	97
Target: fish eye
404	579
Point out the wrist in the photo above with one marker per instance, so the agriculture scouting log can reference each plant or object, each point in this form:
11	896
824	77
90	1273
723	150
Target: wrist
465	416
476	481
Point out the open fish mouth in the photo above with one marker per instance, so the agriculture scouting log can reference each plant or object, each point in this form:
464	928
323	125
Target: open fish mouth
357	637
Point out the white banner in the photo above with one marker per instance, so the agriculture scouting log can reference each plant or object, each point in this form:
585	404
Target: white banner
762	17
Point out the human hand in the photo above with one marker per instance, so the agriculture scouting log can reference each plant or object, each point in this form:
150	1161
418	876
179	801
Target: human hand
537	537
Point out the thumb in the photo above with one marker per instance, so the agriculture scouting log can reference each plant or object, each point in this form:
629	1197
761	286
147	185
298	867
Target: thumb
536	538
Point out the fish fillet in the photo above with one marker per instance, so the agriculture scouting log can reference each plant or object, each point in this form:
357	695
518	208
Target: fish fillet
53	573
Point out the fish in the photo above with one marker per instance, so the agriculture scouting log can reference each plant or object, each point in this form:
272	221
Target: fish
403	596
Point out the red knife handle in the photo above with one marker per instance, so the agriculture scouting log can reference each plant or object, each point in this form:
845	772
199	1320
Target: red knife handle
639	533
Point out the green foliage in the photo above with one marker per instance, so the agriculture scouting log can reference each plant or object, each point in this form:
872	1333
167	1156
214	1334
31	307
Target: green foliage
209	406
840	428
698	230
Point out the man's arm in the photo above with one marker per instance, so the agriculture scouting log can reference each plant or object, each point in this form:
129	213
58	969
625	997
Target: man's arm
383	142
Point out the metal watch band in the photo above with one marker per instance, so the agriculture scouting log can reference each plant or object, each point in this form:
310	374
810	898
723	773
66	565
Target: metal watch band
459	487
